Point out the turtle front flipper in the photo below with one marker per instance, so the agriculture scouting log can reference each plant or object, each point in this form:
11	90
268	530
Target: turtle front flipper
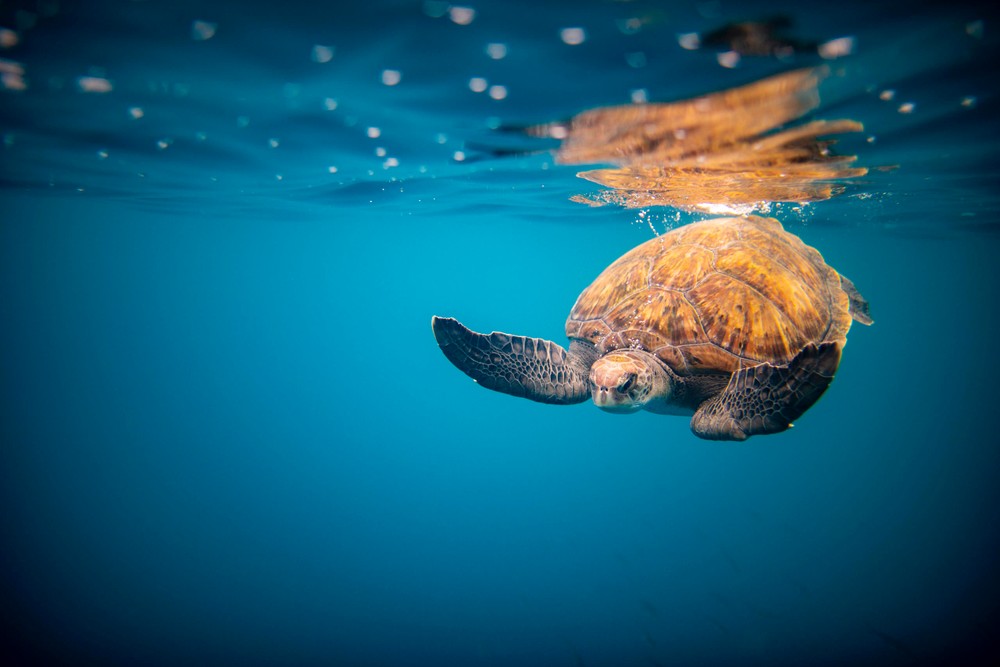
765	398
527	367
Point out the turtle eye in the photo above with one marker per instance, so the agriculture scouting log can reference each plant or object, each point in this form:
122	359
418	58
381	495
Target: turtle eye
627	383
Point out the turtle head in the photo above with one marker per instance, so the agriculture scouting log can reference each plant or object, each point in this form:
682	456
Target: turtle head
626	380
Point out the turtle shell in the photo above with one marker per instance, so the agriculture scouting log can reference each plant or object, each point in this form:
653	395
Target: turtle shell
715	296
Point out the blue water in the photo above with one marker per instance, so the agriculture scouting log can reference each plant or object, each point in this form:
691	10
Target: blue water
228	436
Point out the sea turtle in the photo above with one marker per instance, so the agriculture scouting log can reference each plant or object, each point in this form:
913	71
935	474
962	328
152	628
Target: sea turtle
732	319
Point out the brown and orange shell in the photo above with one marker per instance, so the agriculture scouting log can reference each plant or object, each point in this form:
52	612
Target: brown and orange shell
715	296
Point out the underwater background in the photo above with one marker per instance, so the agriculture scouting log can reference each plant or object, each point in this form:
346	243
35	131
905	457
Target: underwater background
228	435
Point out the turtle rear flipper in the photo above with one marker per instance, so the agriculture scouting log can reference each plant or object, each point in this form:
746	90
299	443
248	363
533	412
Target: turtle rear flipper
527	367
765	398
860	310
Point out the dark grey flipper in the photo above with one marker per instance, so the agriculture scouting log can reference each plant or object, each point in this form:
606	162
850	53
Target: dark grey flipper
766	398
859	306
527	367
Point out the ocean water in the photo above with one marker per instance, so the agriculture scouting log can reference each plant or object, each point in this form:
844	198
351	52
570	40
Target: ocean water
228	435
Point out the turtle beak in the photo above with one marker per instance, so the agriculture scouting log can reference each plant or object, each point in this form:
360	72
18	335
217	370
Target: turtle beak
606	398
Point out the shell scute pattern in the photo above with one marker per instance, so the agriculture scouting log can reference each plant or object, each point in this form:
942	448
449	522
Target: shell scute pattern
756	330
821	281
706	358
715	296
709	233
682	266
666	314
628	275
787	289
592	331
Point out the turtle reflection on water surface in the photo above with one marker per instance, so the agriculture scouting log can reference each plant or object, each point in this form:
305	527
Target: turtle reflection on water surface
721	152
732	319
